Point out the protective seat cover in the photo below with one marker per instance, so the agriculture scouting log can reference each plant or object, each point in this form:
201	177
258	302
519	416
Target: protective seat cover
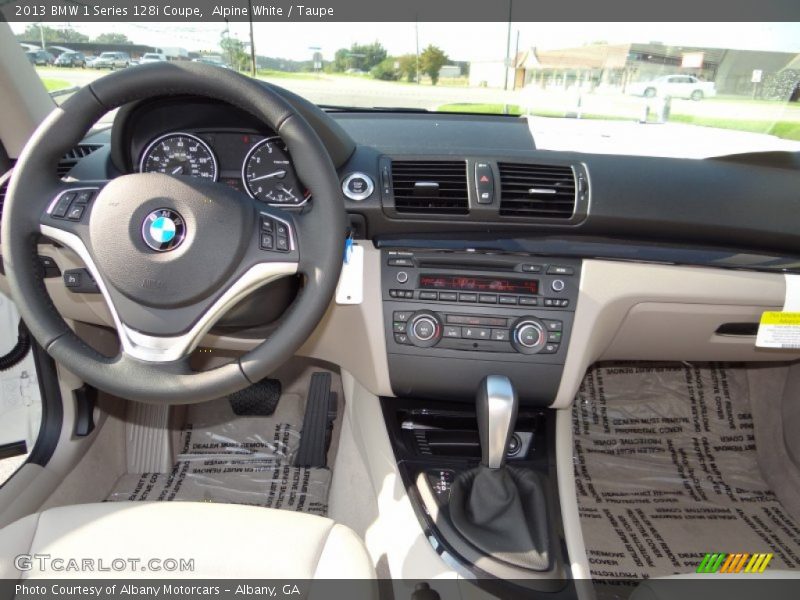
224	540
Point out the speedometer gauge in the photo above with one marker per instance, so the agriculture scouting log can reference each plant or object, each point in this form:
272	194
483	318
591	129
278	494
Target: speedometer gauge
268	174
180	154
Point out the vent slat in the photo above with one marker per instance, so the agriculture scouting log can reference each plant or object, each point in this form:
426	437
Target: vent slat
450	198
555	201
71	158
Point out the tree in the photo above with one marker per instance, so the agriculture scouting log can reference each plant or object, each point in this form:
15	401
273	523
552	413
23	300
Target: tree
359	56
408	67
233	50
431	62
112	38
386	70
51	35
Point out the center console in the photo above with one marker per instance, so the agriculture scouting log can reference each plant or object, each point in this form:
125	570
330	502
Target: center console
452	318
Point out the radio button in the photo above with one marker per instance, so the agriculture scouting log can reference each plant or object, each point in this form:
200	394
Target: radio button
549	349
508	299
528	301
428	296
557	285
476	333
500	335
402	277
560	270
554	336
400	262
401	338
402	315
531	268
448	296
399	327
487	298
452	332
468	297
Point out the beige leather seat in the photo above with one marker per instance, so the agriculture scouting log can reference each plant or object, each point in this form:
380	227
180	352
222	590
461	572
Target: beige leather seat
223	540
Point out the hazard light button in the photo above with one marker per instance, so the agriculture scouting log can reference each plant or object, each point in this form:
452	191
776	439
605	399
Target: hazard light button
484	181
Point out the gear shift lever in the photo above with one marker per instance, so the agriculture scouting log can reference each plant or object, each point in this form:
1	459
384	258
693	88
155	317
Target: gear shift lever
499	509
496	407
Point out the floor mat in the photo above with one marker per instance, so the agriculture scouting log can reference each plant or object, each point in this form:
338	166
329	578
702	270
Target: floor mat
240	460
666	471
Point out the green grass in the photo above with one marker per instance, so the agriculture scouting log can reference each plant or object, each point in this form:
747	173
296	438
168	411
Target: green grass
788	130
51	84
271	74
494	109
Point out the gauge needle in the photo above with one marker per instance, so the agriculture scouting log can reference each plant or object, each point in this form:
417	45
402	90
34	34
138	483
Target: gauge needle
285	190
269	175
177	170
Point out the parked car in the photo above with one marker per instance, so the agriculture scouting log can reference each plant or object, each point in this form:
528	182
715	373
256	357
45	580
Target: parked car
40	57
675	86
111	60
70	59
151	57
211	61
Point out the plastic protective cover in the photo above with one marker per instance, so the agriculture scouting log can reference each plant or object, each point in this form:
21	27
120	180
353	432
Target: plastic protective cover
666	471
239	460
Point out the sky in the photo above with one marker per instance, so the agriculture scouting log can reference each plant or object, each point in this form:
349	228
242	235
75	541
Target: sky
461	41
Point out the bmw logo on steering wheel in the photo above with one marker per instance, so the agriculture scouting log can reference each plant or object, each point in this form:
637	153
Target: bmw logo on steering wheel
163	230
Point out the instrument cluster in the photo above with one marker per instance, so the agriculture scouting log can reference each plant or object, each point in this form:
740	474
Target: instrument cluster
256	164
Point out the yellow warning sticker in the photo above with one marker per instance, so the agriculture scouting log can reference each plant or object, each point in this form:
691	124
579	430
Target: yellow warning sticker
779	329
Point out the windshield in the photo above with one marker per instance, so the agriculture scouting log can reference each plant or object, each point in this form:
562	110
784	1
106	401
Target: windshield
667	89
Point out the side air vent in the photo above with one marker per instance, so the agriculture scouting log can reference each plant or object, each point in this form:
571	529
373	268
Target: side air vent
536	191
3	190
436	187
71	158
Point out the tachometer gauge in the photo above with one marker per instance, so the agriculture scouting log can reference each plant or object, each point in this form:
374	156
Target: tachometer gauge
180	154
268	174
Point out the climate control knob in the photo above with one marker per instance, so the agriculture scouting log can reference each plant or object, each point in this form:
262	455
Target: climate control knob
528	335
424	329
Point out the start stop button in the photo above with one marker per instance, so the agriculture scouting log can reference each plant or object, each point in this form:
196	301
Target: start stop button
357	186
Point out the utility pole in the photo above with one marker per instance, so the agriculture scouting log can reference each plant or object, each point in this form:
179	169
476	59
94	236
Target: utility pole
508	45
252	41
41	35
416	28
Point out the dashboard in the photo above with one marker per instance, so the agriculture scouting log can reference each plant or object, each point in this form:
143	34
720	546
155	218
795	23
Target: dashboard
483	253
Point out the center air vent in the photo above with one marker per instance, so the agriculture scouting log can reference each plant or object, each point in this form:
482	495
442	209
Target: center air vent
536	191
430	187
71	158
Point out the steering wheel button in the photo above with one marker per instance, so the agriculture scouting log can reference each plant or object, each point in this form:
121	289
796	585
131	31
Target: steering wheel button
62	206
266	224
282	244
76	212
84	196
281	229
267	241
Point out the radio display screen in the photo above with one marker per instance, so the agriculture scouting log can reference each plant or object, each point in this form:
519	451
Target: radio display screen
477	283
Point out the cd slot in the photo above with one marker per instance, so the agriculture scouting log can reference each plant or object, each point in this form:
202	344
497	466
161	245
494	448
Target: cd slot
460	264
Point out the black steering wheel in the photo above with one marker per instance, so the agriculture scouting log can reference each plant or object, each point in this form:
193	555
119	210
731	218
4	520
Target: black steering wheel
171	255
